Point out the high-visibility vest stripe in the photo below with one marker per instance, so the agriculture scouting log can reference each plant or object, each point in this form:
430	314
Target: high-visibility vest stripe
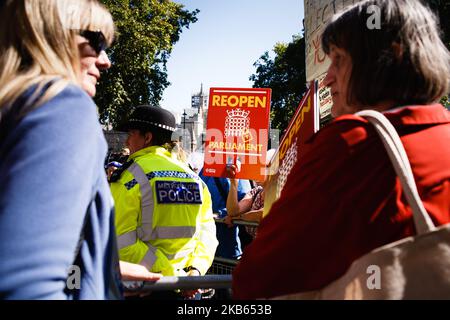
172	232
163	174
150	258
129	238
179	254
126	239
144	231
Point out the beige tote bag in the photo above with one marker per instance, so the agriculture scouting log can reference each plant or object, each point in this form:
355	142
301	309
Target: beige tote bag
412	268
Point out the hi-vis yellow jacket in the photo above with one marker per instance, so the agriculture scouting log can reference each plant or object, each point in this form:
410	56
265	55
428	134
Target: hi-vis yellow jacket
164	217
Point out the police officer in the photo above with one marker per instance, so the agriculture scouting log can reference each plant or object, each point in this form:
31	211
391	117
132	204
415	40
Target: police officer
164	217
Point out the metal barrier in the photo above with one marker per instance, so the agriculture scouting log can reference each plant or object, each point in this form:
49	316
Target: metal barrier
182	283
250	226
222	266
225	266
239	222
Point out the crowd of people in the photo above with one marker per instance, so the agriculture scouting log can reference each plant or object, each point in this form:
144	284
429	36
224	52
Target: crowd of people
147	214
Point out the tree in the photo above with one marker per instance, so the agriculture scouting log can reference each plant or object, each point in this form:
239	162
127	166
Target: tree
286	75
146	33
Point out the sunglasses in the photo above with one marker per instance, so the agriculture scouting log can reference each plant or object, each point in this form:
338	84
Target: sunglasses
96	40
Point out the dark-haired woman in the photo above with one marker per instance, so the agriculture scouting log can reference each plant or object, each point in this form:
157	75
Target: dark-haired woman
343	199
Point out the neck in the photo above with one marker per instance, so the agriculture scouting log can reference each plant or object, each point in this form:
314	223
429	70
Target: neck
381	106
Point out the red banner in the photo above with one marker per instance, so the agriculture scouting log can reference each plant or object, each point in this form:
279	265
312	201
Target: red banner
302	126
237	132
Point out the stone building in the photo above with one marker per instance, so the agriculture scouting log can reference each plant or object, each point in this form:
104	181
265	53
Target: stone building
193	121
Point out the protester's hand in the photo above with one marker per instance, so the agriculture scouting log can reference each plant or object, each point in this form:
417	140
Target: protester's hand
137	272
231	170
190	294
228	221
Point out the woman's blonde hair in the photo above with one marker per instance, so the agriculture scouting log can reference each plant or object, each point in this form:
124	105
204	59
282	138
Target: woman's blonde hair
174	147
38	47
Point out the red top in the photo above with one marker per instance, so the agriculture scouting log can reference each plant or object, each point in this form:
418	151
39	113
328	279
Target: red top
343	199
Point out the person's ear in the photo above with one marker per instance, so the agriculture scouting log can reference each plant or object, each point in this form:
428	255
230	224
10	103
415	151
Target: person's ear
148	137
397	48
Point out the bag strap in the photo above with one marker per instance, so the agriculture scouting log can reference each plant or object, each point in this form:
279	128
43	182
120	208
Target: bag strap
399	159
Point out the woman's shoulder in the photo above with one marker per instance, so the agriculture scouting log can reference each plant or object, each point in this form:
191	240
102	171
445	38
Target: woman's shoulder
347	129
74	98
344	123
68	118
57	101
71	108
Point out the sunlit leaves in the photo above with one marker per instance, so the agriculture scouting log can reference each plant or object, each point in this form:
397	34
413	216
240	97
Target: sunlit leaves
146	33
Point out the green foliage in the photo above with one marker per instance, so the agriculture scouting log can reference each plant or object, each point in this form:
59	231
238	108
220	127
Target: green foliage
146	33
445	101
285	75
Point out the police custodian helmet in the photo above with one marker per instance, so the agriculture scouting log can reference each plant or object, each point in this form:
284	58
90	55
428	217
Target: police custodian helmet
147	118
160	122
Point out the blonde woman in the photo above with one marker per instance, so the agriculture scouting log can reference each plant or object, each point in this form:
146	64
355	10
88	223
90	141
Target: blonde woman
53	186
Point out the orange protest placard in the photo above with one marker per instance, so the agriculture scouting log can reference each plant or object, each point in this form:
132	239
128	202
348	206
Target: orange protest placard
237	132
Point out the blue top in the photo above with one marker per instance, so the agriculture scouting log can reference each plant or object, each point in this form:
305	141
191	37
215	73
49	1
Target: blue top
52	177
229	242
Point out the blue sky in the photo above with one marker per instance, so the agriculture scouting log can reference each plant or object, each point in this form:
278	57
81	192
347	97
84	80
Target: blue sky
220	48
